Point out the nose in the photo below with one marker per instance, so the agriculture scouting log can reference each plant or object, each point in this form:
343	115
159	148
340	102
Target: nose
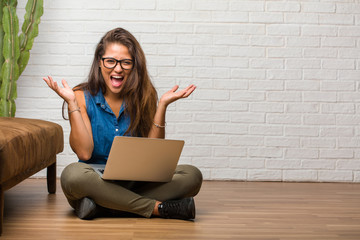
118	67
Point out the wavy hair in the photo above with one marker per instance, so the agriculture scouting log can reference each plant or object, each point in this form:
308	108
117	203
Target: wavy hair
138	92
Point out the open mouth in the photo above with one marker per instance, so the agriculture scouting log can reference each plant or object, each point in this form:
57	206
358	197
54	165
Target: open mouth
116	81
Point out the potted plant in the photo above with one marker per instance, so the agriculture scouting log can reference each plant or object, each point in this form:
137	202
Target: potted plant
15	47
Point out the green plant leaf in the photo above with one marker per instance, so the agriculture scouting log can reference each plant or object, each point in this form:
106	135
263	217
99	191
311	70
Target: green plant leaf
11	53
34	10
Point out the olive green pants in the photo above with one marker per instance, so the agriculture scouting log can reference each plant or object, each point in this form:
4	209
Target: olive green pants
79	180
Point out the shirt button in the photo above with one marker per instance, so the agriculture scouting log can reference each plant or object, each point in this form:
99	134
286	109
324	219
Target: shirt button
116	129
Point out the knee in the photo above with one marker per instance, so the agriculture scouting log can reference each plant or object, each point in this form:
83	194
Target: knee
194	178
74	175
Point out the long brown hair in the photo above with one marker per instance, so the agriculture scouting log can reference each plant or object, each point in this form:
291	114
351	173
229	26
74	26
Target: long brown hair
138	92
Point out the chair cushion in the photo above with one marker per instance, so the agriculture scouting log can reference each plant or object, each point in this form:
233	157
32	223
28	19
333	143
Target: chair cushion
25	143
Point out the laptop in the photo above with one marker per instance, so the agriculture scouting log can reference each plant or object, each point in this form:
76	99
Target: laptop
141	159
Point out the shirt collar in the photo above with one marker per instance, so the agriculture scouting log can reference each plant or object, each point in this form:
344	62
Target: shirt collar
100	100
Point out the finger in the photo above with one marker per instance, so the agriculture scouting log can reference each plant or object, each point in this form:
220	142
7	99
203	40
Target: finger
189	91
176	87
64	83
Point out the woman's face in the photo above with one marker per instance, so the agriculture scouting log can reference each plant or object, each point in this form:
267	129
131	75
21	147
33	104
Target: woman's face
116	76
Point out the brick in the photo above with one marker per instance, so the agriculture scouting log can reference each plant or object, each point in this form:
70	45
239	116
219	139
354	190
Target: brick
348	119
319	119
283	30
247	163
230	17
283	7
284	96
348	164
249	29
212	29
236	40
267	63
267	107
266	41
248	74
246	141
282	164
300	175
229	106
266	85
231	84
301	18
292	119
218	5
248	117
303	41
282	142
284	74
214	140
324	31
346	108
320	97
193	16
213	73
336	153
227	174
301	153
303	64
229	152
266	130
211	117
247	6
233	62
210	162
247	96
174	5
335	176
265	152
302	85
339	64
302	108
336	132
338	86
230	128
260	17
318	164
264	175
302	131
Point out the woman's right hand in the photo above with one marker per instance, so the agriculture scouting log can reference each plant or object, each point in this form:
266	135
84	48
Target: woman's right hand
65	92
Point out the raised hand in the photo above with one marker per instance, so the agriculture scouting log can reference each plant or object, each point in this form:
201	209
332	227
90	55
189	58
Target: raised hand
172	95
65	92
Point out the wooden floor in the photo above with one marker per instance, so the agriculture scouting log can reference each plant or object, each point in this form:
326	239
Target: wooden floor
225	210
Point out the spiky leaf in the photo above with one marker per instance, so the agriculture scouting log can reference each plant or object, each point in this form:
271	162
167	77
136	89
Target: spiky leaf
11	53
34	10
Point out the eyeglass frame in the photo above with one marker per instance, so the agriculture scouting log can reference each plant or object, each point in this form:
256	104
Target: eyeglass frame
117	62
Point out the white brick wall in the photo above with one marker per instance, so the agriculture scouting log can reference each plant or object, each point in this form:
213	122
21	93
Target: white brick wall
278	95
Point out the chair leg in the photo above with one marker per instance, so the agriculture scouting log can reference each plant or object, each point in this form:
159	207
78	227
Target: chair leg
1	209
51	178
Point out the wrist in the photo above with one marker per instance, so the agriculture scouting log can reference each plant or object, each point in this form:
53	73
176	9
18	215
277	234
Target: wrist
72	105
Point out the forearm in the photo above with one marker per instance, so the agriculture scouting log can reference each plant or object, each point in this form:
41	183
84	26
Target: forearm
80	138
158	128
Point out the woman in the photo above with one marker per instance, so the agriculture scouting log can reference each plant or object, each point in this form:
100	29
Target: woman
119	99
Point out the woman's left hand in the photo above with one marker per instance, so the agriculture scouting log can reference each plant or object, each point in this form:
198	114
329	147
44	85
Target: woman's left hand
172	95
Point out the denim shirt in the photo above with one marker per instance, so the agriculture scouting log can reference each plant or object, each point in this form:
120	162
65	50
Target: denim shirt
105	126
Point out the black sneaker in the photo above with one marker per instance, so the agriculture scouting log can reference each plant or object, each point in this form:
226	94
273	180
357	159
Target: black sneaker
178	209
86	209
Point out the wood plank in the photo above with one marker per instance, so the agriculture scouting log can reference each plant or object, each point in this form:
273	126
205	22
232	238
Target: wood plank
225	210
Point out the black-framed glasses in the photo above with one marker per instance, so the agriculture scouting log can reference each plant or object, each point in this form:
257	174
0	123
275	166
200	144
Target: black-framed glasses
125	64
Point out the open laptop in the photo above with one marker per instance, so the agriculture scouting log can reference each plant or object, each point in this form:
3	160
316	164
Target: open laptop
141	159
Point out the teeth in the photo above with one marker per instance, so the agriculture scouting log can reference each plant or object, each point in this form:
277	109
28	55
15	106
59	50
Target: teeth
117	77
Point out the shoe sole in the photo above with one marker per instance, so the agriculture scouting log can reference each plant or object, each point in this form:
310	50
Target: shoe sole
86	209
